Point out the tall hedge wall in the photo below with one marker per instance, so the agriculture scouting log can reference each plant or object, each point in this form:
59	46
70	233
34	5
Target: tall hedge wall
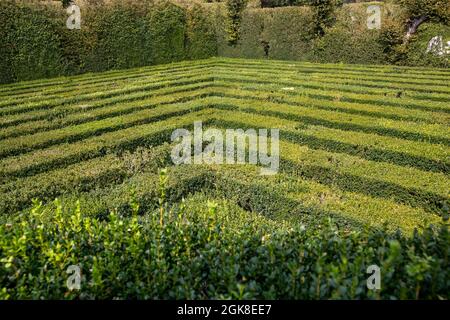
288	33
282	33
350	41
201	35
29	46
116	34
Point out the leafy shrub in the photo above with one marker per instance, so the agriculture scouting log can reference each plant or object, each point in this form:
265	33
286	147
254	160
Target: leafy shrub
349	41
124	35
435	10
417	50
249	45
289	34
281	33
7	15
200	249
405	40
391	39
119	33
113	35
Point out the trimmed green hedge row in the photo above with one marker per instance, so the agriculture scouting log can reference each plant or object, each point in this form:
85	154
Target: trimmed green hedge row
27	95
174	94
331	166
386	162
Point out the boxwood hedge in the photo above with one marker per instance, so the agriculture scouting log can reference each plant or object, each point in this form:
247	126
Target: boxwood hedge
203	249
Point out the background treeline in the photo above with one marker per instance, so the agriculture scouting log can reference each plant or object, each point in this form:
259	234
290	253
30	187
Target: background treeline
35	42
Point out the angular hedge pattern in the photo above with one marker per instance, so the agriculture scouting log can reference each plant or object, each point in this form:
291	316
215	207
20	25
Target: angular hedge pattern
364	146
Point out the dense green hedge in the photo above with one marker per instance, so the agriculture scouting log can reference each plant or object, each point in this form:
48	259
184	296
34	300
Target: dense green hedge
289	33
349	40
167	29
119	33
199	249
36	43
29	45
283	33
417	54
201	36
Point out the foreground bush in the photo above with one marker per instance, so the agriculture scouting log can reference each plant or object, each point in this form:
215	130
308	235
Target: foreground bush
200	250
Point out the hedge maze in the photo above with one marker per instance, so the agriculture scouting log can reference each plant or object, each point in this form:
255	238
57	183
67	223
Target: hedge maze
365	146
363	143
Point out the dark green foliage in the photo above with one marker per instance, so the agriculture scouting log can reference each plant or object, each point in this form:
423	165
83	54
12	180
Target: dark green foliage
120	35
251	28
391	40
282	33
29	46
282	3
37	44
436	10
201	36
405	41
293	33
234	17
7	14
289	33
349	41
166	25
323	15
416	53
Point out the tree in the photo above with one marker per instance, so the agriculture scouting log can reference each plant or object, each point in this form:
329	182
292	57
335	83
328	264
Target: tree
324	14
234	17
419	11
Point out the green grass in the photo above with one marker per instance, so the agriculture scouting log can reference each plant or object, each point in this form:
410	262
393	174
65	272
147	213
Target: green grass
368	146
